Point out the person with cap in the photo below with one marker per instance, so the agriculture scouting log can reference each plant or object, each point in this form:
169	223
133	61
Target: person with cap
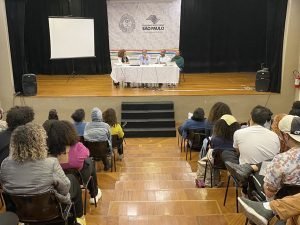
97	130
197	121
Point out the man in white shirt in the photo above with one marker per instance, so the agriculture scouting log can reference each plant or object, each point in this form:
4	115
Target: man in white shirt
162	58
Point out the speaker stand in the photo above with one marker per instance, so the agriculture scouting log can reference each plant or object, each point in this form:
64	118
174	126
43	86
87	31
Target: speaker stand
74	74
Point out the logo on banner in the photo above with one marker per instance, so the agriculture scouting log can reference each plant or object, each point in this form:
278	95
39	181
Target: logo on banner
154	27
127	23
153	19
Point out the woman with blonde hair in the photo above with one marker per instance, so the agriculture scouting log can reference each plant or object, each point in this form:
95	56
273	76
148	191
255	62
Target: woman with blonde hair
29	171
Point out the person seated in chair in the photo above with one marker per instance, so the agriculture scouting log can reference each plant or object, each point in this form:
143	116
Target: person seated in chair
63	143
260	213
109	116
197	121
29	171
96	131
78	117
144	58
179	60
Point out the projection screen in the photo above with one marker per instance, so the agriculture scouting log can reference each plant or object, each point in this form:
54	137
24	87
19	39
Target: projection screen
71	37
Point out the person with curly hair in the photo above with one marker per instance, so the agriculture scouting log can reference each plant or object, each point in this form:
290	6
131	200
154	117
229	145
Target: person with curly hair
110	117
77	154
29	171
16	116
78	117
217	110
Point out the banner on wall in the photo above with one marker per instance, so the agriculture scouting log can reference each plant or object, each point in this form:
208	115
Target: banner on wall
136	25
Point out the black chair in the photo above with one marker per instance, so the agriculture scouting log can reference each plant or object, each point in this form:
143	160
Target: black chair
41	209
181	75
194	140
117	142
99	151
85	179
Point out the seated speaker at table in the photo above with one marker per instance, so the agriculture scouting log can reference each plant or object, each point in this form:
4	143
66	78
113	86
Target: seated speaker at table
144	58
162	58
179	60
122	56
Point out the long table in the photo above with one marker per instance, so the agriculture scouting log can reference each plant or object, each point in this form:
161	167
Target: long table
152	74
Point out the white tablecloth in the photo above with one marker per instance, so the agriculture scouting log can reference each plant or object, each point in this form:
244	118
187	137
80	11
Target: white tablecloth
145	73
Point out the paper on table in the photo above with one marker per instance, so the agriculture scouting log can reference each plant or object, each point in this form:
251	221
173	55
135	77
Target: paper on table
190	115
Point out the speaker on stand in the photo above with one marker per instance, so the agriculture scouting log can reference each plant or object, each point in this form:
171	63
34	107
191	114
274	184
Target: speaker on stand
29	84
262	82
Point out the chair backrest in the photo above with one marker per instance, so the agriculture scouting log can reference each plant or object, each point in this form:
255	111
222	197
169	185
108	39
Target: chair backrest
98	150
196	137
218	161
114	140
37	208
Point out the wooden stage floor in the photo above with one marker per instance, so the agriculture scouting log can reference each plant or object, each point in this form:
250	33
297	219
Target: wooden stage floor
193	85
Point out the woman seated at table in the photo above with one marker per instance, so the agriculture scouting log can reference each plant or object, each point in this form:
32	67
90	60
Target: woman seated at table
122	57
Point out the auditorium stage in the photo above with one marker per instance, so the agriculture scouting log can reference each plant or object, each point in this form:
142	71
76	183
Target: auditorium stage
206	84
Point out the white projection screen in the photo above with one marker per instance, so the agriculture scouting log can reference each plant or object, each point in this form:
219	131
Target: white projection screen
71	37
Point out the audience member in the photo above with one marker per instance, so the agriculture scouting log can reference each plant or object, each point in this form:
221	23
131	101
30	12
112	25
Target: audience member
63	143
162	58
97	130
28	170
179	60
197	121
295	109
110	117
224	128
274	128
78	117
144	58
3	124
260	213
16	116
53	115
122	57
217	110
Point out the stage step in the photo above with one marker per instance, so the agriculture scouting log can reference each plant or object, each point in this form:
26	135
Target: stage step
155	170
147	105
148	119
157	164
157	176
154	185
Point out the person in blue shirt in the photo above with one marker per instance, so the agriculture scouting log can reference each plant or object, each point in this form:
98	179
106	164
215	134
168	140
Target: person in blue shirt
144	58
78	117
197	121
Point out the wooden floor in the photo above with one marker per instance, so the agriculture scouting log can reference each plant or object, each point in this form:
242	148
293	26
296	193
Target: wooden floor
192	84
154	184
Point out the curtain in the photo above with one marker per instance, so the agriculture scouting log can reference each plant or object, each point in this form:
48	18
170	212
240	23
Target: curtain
233	36
30	42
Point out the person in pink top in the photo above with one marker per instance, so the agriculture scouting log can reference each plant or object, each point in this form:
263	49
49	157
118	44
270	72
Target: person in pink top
71	153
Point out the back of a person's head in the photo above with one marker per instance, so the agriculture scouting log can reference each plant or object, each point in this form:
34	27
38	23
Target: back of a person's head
71	134
28	143
19	115
57	136
96	115
225	127
217	111
78	115
295	111
53	115
109	117
198	114
260	115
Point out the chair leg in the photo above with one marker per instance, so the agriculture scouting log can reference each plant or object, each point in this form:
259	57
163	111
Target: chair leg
190	153
211	175
205	171
236	197
226	192
115	163
85	198
246	221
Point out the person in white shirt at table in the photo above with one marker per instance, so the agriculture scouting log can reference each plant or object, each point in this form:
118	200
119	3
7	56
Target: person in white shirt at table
144	58
162	58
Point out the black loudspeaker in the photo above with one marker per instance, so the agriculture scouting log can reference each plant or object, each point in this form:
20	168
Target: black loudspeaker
29	84
262	82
